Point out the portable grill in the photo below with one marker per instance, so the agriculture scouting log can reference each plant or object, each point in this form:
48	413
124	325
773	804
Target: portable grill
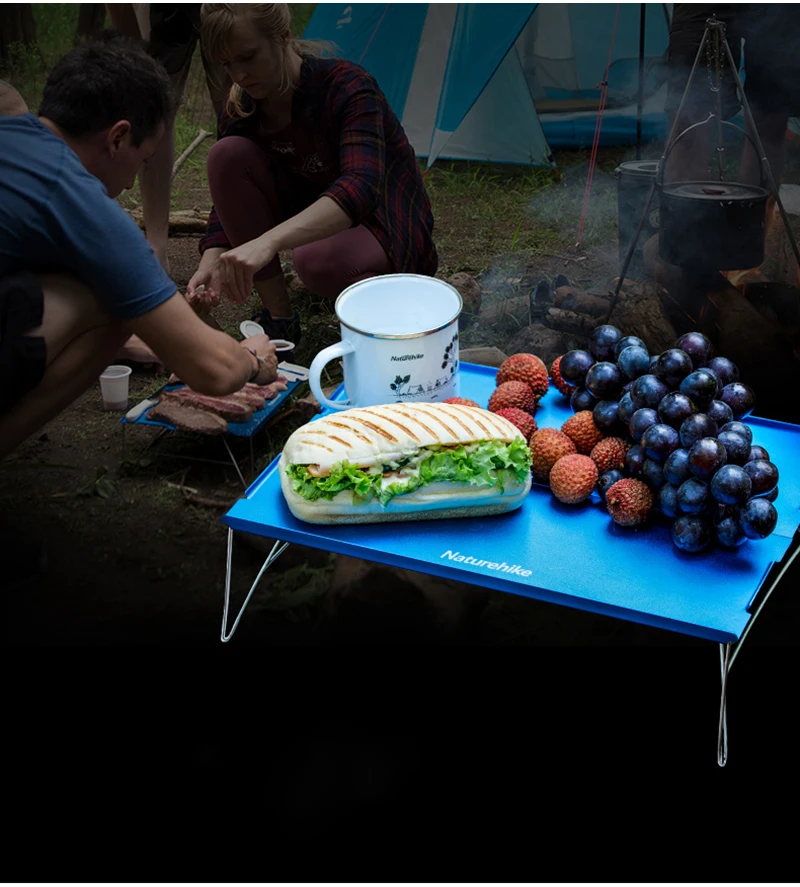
294	375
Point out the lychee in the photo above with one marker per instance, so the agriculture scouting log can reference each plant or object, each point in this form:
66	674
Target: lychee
629	501
573	478
582	431
558	381
524	421
513	394
547	446
526	368
609	453
462	401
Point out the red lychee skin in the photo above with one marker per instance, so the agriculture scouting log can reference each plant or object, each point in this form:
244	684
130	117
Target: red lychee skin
524	421
583	432
526	368
573	478
609	453
629	502
560	384
462	401
513	394
547	446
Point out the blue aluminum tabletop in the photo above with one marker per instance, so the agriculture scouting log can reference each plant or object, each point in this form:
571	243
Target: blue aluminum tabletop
573	555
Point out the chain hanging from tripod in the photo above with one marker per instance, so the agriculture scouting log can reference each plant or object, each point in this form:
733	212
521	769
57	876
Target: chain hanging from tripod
715	65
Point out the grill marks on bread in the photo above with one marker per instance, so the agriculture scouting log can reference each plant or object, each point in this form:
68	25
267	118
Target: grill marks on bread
377	429
353	431
402	427
366	436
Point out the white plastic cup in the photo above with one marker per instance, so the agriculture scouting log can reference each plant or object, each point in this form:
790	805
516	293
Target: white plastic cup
114	383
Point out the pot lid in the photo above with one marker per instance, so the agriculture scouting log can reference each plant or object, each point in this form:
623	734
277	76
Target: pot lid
715	191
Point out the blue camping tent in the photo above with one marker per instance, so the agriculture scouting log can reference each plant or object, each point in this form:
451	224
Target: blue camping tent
505	82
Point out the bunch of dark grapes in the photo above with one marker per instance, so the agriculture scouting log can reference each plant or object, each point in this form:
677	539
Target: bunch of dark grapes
683	412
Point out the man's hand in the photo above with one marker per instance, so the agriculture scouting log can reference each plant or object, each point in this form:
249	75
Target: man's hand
204	290
202	299
265	349
237	267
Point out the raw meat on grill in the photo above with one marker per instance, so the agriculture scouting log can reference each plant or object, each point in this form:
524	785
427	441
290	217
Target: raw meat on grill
187	418
252	399
271	391
229	409
189	407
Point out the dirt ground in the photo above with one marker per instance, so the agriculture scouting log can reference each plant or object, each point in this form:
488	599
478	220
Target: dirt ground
133	561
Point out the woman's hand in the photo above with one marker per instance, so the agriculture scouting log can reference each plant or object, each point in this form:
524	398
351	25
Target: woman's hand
204	290
237	267
266	350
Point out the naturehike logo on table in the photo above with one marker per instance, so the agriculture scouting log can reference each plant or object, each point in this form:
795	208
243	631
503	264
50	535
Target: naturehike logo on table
511	569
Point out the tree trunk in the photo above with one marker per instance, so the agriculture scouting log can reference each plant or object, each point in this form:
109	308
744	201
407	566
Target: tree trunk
91	20
17	25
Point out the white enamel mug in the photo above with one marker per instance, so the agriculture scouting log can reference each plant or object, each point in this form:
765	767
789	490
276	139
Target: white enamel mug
399	342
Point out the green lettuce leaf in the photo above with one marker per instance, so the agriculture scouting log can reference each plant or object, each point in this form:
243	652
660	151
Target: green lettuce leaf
486	464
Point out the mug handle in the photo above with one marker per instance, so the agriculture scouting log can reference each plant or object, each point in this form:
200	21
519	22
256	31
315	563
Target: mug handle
315	373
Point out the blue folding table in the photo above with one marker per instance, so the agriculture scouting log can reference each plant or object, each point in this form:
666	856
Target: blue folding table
570	555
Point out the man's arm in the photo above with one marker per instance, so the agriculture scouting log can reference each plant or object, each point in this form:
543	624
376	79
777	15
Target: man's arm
207	360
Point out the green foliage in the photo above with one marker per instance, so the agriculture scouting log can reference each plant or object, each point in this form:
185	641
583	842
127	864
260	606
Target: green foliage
28	66
56	27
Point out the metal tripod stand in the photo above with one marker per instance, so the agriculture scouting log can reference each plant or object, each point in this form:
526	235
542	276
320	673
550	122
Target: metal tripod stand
714	40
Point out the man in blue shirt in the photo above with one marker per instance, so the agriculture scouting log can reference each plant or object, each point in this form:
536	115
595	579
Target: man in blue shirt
77	276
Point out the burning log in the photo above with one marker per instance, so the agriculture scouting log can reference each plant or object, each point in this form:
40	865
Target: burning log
777	303
740	279
570	299
763	340
570	322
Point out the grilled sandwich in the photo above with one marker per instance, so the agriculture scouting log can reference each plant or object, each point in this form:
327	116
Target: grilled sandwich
417	461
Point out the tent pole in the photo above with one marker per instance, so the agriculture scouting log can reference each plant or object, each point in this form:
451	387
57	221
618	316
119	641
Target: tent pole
640	98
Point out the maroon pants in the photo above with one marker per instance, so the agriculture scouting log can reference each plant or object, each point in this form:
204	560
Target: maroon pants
246	199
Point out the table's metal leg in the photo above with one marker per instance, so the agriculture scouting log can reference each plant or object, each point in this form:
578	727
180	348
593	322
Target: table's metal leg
277	550
235	463
722	733
727	656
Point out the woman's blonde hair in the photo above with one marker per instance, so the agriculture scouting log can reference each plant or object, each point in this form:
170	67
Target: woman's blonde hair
272	20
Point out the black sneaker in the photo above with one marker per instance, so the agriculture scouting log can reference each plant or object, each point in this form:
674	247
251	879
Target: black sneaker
280	327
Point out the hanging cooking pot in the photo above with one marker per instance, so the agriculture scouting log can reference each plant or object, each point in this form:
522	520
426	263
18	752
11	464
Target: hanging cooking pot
719	225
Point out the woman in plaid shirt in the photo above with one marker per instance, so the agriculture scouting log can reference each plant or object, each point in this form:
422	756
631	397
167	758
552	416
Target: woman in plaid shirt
309	157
